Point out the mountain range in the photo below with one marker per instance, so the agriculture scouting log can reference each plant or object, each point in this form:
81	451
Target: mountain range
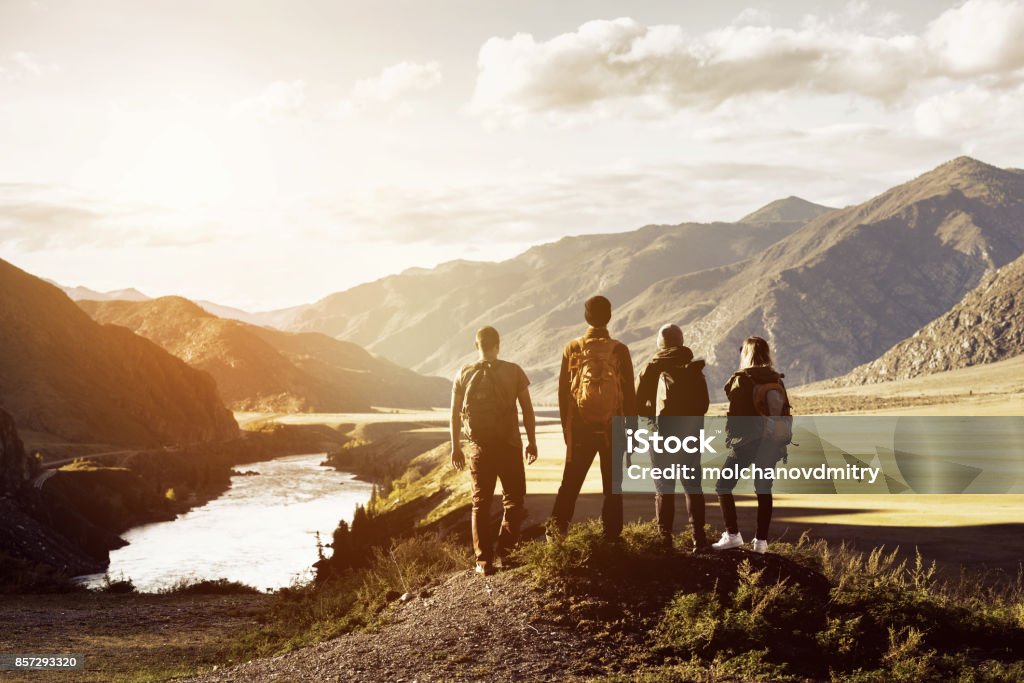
426	319
830	289
262	369
79	293
67	378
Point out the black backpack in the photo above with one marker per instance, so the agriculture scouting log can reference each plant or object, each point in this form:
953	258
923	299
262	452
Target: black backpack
483	405
686	390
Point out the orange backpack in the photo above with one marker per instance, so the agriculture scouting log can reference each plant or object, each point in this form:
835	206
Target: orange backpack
595	387
772	402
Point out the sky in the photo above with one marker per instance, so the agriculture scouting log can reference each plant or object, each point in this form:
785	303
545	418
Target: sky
265	154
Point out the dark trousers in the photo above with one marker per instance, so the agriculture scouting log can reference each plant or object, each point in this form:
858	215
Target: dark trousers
765	456
665	499
585	445
665	514
488	464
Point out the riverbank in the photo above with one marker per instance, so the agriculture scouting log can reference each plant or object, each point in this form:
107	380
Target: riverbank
67	519
267	530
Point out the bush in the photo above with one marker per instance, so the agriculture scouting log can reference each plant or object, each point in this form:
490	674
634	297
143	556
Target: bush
209	587
119	586
881	618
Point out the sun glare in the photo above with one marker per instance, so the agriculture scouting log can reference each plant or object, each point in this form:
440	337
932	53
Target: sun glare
181	165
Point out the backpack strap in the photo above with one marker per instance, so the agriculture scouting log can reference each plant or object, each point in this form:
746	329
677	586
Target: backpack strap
575	359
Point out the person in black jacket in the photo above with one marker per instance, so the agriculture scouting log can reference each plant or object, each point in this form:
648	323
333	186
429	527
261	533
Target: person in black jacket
745	436
685	403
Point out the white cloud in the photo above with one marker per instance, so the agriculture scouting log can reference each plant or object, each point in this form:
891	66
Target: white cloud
752	16
37	217
974	111
20	64
393	86
538	207
610	67
27	62
280	98
978	38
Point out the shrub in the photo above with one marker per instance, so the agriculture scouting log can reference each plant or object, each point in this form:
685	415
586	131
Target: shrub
209	587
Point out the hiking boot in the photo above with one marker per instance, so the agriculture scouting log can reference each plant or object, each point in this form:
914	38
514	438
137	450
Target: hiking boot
700	542
701	547
667	542
553	533
485	568
728	541
505	562
760	546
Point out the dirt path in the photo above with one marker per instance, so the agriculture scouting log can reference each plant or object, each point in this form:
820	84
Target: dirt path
468	629
124	637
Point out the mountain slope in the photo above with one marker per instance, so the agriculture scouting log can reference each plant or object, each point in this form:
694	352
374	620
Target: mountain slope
792	209
850	284
426	319
830	294
65	375
84	293
985	327
262	369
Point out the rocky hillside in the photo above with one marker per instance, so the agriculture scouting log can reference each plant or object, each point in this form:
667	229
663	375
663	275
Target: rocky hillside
71	379
985	327
425	319
258	368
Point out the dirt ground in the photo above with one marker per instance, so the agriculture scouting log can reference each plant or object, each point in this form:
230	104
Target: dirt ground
124	637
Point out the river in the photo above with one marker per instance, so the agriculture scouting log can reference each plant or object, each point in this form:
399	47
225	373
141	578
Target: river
261	532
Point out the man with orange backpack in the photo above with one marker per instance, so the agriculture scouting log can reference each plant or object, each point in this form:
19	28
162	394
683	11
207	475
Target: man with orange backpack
594	385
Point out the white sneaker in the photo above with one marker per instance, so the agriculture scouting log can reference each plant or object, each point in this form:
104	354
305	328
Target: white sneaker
760	546
728	541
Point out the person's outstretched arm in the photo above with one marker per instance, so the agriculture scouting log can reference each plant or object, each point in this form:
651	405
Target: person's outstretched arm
455	423
530	424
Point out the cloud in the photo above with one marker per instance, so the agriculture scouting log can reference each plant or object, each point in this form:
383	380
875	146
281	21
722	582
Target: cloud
280	98
529	211
392	86
36	217
753	16
974	110
612	66
979	38
20	64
